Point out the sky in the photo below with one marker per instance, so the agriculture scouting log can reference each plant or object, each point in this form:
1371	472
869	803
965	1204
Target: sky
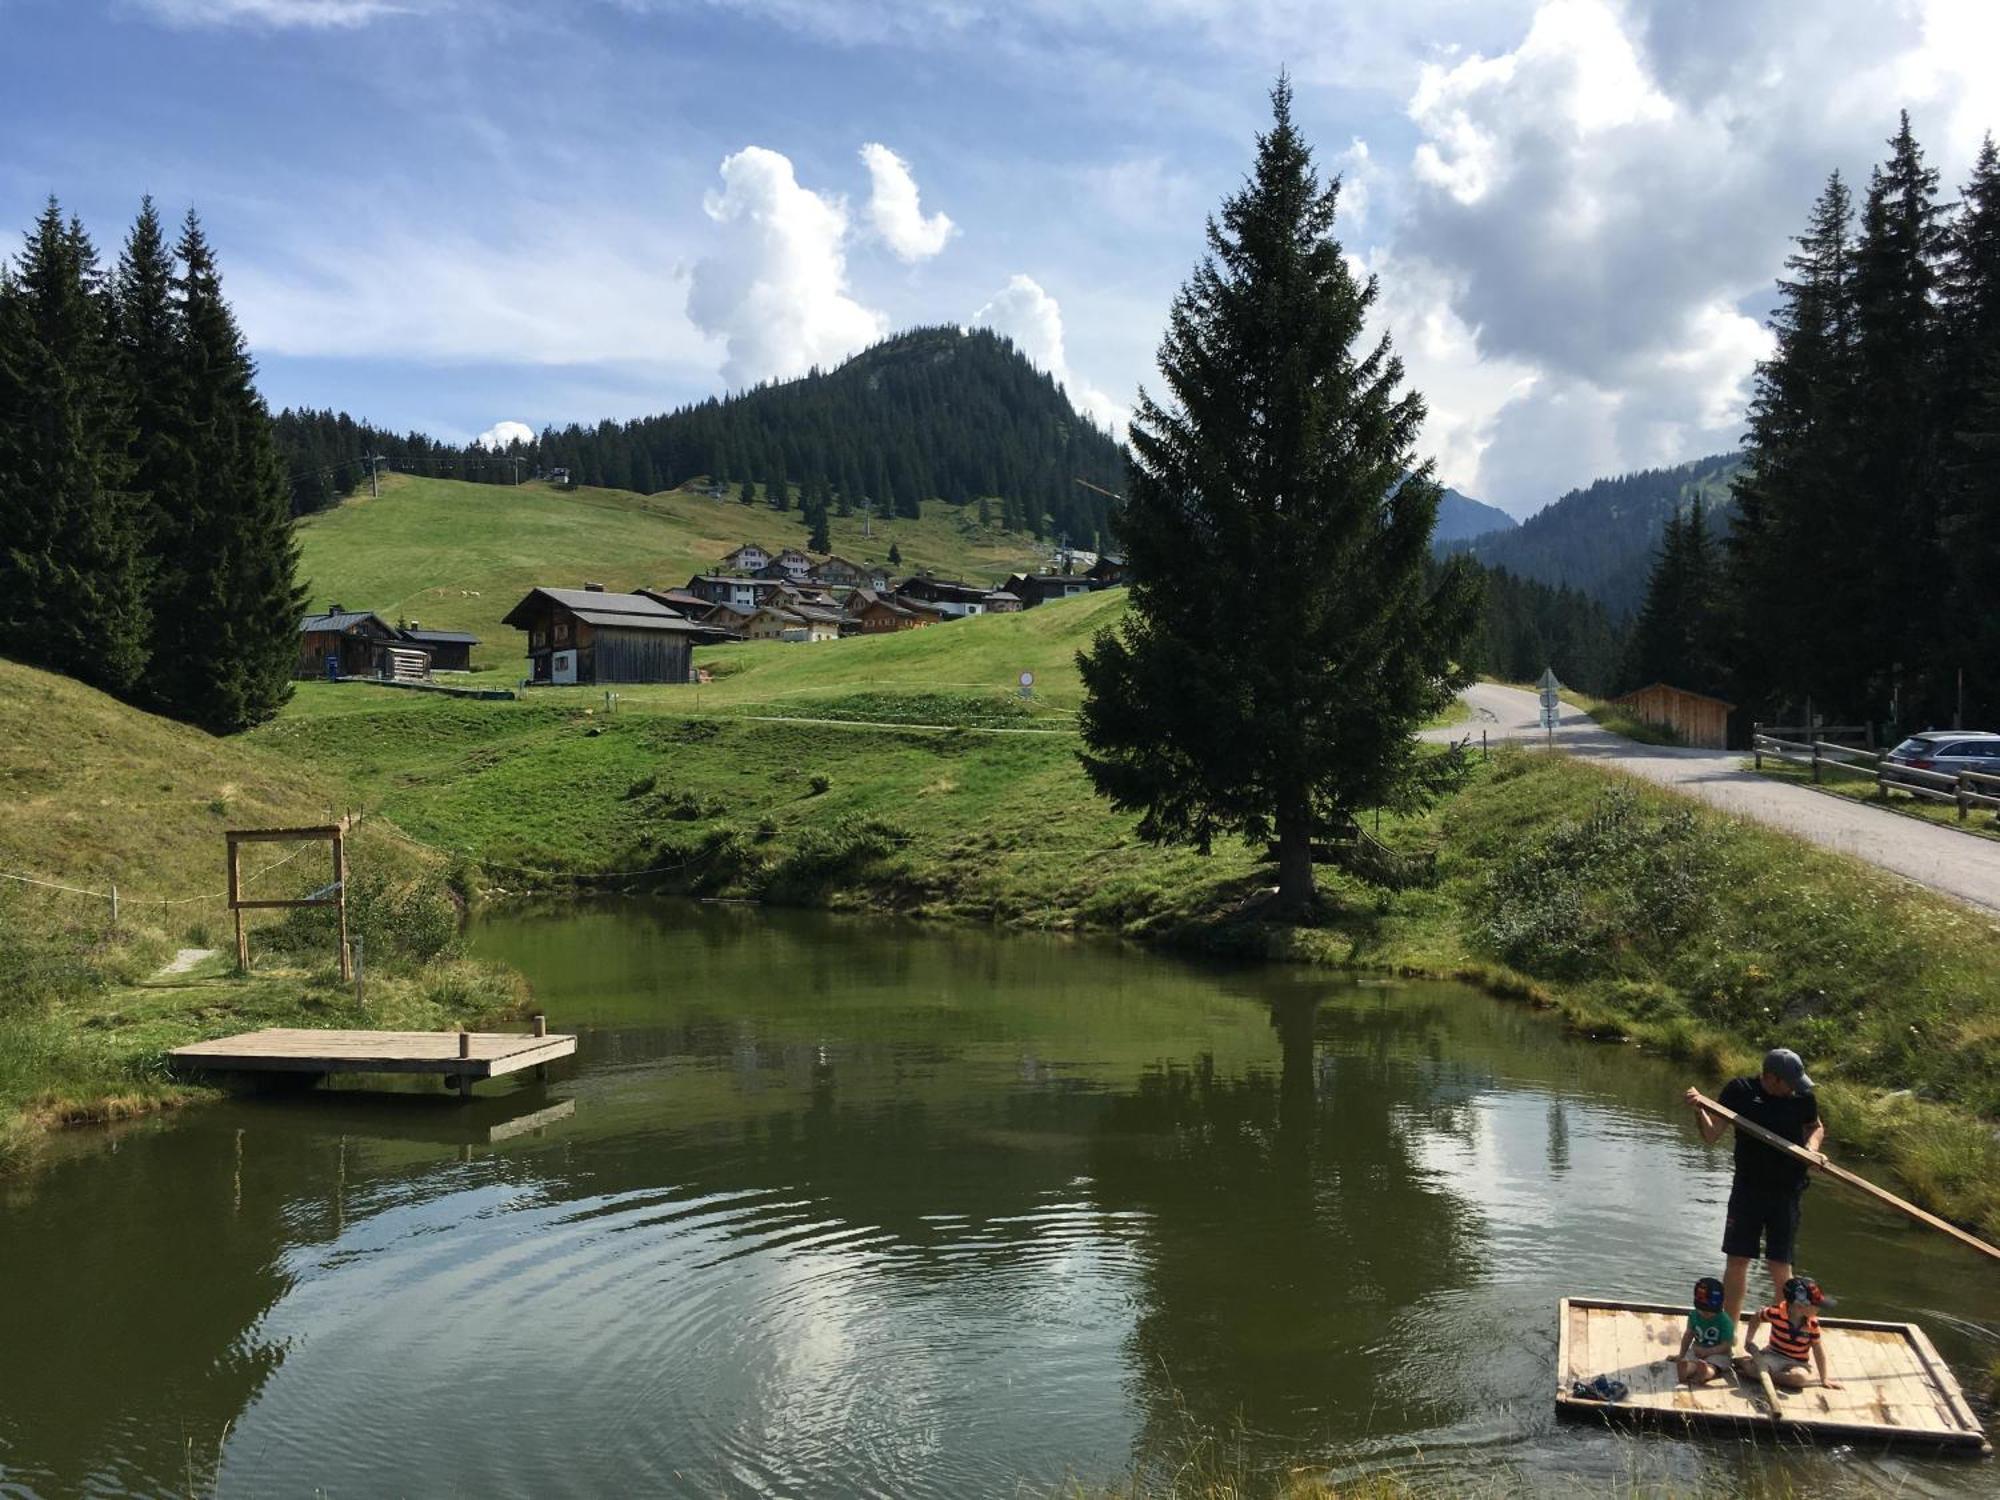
450	215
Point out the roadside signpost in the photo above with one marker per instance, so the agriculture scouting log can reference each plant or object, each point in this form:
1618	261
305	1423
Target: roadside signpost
1027	684
1551	709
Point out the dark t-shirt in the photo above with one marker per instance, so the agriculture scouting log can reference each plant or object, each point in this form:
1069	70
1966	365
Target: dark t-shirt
1760	1166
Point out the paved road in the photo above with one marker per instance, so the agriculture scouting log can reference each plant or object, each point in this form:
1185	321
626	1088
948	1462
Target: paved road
1951	863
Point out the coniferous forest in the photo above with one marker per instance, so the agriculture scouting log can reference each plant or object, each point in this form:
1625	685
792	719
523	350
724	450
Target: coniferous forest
933	413
145	527
1861	573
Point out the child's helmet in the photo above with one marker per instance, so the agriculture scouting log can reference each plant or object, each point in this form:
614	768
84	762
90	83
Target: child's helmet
1708	1294
1804	1289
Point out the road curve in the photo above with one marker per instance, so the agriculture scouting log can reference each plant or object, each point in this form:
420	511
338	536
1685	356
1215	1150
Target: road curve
1946	861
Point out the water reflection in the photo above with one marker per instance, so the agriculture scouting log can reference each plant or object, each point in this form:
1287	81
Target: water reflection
828	1208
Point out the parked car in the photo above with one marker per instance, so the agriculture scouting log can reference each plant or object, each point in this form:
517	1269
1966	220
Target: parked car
1945	753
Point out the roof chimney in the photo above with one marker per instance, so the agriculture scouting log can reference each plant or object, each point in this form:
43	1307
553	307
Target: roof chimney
416	624
592	588
335	609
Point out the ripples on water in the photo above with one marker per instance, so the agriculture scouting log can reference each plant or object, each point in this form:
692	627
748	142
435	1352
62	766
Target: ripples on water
827	1213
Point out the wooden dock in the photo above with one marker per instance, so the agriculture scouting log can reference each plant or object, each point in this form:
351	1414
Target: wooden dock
461	1058
1894	1387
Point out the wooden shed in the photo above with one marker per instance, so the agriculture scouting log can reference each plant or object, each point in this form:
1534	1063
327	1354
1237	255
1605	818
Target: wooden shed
449	650
344	643
589	636
1698	719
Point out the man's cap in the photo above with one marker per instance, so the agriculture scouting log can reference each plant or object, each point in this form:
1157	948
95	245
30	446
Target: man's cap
1783	1062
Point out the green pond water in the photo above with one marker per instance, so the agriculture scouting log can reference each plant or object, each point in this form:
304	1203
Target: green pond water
825	1207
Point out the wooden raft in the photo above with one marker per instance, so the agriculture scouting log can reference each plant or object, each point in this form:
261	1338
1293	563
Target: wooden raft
1894	1387
460	1056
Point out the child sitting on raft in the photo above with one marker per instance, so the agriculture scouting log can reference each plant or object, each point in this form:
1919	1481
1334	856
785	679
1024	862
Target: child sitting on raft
1794	1338
1710	1339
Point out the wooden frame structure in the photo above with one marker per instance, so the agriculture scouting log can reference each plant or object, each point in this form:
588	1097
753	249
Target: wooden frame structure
1896	1390
334	895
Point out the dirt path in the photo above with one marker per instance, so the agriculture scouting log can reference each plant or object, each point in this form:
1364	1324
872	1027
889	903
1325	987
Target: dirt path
1941	859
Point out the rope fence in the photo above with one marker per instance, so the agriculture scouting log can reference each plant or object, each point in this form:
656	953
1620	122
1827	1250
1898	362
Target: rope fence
118	898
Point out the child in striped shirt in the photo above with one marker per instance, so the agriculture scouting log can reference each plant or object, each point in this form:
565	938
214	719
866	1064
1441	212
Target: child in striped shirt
1794	1338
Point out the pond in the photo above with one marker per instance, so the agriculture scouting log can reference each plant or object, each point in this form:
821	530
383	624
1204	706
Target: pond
825	1206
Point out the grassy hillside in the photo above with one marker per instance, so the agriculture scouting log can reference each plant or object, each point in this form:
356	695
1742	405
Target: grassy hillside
458	556
95	794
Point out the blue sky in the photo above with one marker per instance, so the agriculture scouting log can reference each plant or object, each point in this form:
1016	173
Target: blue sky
446	214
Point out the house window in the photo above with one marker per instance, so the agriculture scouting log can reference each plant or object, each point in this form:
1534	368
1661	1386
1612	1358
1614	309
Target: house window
562	631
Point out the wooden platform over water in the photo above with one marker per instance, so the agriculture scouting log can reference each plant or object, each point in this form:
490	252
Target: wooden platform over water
1894	1387
459	1056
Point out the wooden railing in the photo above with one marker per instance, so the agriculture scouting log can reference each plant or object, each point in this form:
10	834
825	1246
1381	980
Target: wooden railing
1965	789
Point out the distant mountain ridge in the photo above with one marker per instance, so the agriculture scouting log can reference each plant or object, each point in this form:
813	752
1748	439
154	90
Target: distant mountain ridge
1460	518
1599	540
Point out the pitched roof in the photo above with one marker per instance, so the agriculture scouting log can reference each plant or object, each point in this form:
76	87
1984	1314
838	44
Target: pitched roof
344	619
624	611
441	637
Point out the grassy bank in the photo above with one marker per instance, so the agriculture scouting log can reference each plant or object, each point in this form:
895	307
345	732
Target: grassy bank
458	556
1631	911
97	796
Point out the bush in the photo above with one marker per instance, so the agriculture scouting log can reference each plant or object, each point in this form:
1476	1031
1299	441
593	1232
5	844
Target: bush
414	920
818	784
828	854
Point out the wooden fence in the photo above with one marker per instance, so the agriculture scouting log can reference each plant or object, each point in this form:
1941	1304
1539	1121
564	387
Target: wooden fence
1965	789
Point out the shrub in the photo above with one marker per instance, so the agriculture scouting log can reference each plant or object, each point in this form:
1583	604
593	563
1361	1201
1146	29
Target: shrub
829	853
818	784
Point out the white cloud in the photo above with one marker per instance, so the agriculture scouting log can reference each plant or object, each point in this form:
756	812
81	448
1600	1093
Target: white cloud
894	210
776	291
1033	320
500	434
315	14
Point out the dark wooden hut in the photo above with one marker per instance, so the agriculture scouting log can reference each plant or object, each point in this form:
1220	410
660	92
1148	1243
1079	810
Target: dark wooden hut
589	636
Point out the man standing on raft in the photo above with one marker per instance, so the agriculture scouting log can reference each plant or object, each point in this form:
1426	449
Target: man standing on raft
1764	1197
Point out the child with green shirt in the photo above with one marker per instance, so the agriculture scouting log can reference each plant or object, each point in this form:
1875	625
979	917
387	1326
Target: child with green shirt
1710	1339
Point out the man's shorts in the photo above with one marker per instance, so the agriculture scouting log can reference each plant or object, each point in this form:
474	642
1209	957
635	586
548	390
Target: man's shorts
1771	1362
1761	1217
1716	1357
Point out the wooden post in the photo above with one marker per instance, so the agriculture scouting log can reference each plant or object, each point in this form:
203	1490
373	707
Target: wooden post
235	884
1961	789
541	1023
1815	753
464	1042
114	906
340	897
360	968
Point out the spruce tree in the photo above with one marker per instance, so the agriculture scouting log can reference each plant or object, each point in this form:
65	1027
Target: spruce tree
779	493
227	640
1282	645
1798	540
895	555
748	496
1971	524
1676	635
73	569
819	541
1895	477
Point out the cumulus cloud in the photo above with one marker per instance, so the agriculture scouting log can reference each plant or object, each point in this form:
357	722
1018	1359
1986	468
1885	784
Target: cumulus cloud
776	291
894	210
500	434
1033	320
314	14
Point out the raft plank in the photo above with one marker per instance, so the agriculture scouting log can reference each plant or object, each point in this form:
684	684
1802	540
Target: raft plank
286	1049
1894	1388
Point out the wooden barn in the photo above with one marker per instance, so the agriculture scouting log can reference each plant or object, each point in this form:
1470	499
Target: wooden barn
345	643
449	650
1700	721
589	636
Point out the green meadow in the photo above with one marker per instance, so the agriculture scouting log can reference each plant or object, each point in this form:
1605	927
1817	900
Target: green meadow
458	556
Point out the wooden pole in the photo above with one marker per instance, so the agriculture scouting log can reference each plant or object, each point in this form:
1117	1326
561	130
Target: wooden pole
1841	1174
541	1024
235	884
340	875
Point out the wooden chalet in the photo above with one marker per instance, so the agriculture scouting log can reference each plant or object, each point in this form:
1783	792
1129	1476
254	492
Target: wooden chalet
799	624
449	650
1000	602
1700	721
719	588
680	601
840	573
733	618
345	643
1108	572
883	614
748	558
587	635
1039	588
947	596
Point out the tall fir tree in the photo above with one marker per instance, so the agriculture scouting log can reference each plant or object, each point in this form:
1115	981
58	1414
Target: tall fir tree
1971	525
227	637
1676	638
1798	539
1894	453
779	493
74	574
819	540
1282	644
748	495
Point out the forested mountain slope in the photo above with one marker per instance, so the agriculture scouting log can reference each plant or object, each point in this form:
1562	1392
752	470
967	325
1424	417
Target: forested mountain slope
934	413
1600	539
